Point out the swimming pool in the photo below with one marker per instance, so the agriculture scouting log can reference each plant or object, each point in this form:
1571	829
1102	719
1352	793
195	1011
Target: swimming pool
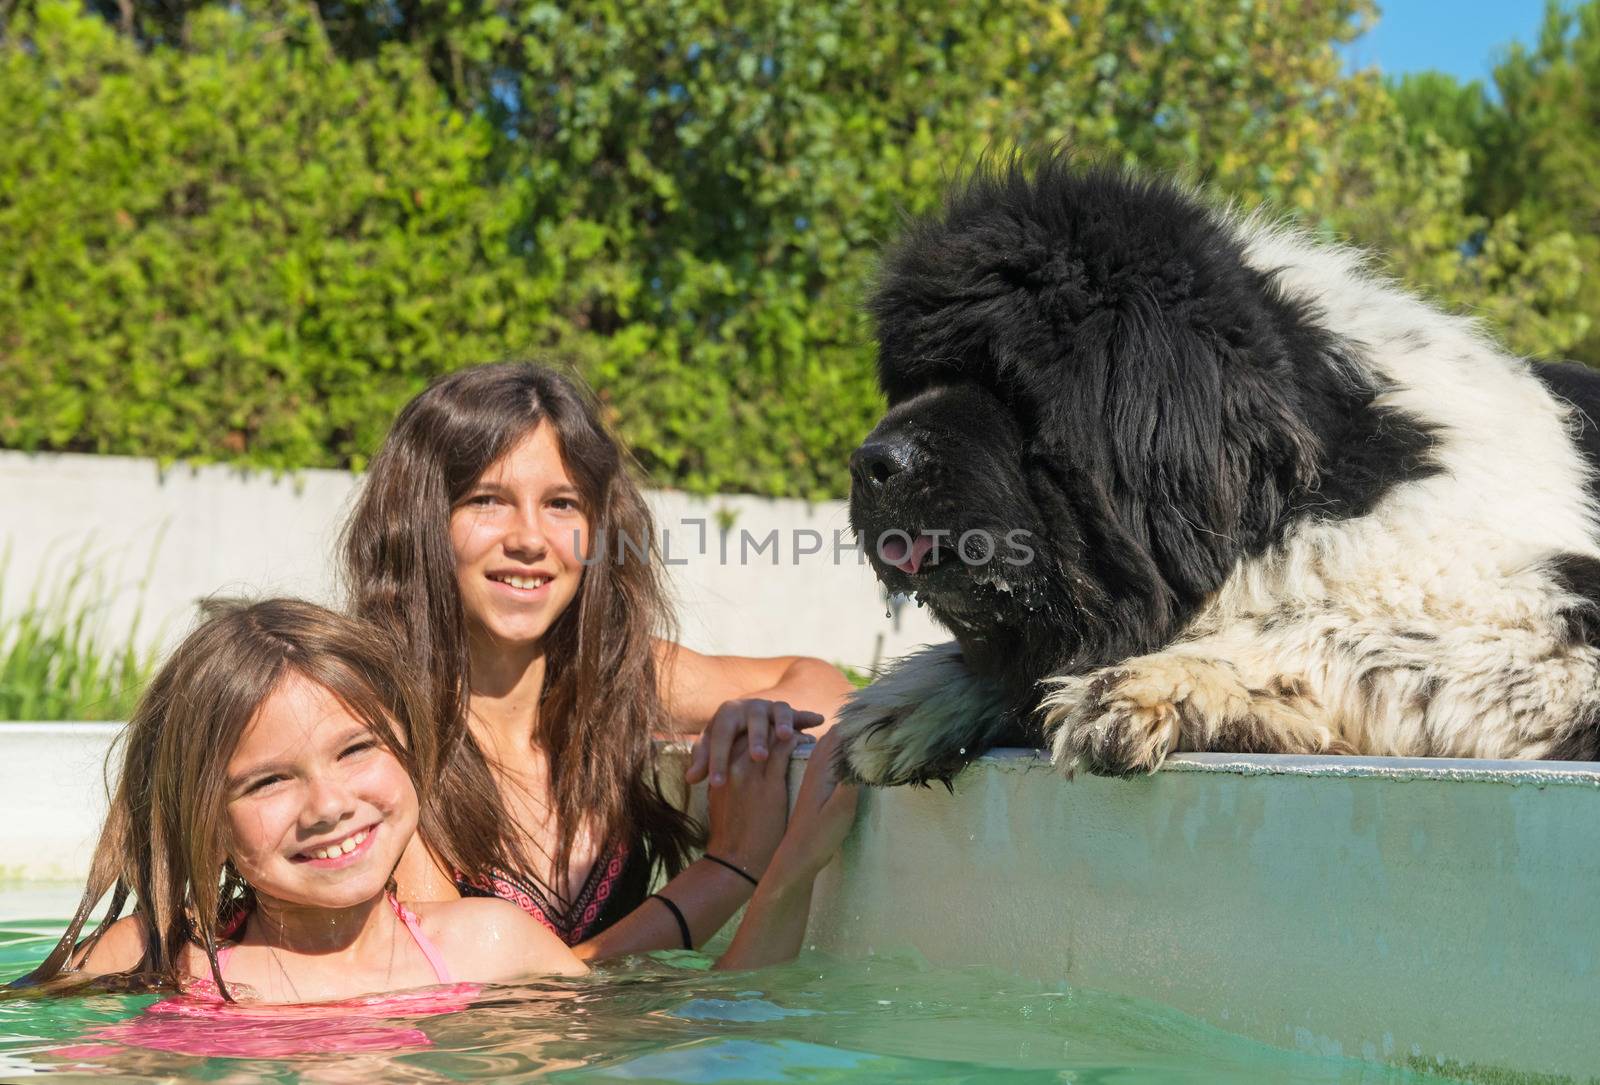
1431	915
665	1018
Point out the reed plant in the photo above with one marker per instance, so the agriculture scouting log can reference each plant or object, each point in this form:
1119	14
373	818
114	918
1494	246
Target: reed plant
57	660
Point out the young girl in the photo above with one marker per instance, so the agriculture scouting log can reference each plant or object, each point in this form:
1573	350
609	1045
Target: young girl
265	798
501	540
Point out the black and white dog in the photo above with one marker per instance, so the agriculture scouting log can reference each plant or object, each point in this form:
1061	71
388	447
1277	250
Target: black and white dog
1178	479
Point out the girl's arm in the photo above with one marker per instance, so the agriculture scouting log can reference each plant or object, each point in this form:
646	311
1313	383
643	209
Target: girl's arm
775	923
724	697
747	819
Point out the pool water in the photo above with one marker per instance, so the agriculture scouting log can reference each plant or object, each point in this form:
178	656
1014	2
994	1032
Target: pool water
666	1018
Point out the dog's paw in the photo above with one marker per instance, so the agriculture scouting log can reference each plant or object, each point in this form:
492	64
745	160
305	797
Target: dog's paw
887	748
868	748
1126	720
924	720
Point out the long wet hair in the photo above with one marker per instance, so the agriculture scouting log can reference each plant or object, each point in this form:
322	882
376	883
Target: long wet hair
600	702
164	840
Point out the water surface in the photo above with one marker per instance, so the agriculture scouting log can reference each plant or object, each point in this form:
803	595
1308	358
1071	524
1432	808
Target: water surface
666	1018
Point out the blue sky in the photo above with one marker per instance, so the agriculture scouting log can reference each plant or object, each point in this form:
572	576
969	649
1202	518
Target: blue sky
1461	37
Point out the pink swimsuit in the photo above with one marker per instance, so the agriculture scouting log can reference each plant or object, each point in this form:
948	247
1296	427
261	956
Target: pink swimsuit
202	1023
441	971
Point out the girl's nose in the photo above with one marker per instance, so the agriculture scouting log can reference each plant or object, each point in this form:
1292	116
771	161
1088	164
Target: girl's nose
328	802
526	538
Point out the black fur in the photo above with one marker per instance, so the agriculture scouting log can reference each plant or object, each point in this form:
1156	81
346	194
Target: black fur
1086	356
1580	386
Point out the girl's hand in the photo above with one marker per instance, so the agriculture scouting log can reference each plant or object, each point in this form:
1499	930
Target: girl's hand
748	814
774	925
760	723
821	819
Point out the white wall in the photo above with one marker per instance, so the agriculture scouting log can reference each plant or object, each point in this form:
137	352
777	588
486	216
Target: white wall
53	783
161	539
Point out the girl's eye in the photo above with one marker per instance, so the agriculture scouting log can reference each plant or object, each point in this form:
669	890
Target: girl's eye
481	500
564	504
262	784
359	747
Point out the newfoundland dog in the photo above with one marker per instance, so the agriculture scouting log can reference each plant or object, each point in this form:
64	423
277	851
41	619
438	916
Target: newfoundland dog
1178	479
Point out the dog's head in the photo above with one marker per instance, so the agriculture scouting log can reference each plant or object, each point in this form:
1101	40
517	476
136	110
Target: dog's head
1094	411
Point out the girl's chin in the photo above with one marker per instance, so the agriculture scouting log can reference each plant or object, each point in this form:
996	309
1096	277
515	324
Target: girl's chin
353	894
517	636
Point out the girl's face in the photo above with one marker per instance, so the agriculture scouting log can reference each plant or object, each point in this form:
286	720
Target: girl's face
318	810
519	536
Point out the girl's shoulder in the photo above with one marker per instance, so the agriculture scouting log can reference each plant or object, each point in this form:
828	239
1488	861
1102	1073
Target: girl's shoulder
119	948
489	940
122	949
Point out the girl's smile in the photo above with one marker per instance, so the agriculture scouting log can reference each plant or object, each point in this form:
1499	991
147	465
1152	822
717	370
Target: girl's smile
529	586
340	853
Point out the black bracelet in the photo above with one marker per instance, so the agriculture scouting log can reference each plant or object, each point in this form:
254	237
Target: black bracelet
677	913
745	874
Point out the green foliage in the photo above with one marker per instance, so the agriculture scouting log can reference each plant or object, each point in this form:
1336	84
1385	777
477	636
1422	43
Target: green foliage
251	230
858	679
55	663
241	248
1546	168
1416	204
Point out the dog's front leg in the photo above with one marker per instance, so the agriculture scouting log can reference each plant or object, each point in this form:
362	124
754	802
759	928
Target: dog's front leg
1127	718
924	719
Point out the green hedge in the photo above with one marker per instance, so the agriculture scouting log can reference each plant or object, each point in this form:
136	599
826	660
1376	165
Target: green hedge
249	231
241	249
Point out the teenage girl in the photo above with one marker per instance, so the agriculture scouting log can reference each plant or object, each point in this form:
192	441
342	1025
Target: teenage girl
500	539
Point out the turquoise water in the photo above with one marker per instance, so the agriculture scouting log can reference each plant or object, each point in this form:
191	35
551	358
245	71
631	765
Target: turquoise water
667	1019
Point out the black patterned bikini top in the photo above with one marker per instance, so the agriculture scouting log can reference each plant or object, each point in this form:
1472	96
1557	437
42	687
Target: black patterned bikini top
616	885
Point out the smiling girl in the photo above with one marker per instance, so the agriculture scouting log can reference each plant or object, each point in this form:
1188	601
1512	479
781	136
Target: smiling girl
500	538
266	795
265	798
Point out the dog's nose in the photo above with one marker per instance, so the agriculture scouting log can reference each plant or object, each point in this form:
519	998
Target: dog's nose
878	460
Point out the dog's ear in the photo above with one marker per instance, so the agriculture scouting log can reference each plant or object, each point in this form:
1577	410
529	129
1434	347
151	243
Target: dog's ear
1196	441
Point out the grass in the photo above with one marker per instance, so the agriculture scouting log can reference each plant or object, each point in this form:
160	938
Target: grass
857	678
56	661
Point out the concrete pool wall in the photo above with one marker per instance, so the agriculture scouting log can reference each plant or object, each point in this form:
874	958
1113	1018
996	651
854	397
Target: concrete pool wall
1421	911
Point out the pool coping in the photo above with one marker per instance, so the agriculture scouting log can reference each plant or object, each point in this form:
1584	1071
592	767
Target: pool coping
1329	766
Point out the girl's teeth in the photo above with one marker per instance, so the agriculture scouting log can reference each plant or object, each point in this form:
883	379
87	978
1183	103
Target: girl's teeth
525	582
344	847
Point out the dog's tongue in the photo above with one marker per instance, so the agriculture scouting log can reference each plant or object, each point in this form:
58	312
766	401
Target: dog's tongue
907	560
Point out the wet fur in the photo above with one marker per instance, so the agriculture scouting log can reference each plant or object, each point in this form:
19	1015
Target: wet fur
1280	504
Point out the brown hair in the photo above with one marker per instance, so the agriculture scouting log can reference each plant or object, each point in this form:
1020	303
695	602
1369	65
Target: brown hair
600	703
164	832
